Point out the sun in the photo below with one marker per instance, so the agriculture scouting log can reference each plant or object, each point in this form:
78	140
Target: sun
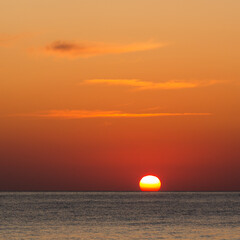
150	183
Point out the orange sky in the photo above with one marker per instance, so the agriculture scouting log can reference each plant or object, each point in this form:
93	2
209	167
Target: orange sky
96	94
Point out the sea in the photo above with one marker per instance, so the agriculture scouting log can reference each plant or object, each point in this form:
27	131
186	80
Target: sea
119	215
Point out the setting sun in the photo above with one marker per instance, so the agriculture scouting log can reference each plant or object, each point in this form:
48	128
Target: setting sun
150	183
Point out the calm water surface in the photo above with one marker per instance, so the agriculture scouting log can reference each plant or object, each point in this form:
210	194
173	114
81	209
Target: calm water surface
119	215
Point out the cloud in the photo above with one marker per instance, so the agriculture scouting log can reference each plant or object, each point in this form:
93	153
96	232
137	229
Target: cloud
79	114
8	39
88	49
144	85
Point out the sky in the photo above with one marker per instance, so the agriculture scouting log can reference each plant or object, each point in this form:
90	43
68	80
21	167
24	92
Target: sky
96	94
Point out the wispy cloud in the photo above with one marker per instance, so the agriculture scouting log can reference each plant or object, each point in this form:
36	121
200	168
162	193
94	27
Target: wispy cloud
8	39
78	114
144	85
88	49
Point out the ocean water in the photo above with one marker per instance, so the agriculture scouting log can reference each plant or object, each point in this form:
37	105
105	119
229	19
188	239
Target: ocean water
119	215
